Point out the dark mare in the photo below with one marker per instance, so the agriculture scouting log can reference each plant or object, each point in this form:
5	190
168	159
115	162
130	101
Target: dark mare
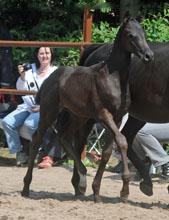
149	89
99	93
6	60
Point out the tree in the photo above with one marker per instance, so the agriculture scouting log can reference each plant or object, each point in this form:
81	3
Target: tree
133	6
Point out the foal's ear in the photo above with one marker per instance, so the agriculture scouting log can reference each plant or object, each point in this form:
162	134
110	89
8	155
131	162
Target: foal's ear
126	17
141	16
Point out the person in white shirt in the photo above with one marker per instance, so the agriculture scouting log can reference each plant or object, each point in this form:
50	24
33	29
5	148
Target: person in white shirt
27	113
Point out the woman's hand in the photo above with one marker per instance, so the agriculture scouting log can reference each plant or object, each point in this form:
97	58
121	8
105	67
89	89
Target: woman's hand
21	72
35	109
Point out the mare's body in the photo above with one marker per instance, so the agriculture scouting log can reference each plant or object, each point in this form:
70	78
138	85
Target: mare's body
149	89
99	93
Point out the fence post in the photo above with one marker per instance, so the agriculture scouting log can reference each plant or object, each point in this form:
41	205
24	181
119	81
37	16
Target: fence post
87	37
87	27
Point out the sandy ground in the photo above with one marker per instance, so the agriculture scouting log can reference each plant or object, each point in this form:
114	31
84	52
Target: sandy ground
52	197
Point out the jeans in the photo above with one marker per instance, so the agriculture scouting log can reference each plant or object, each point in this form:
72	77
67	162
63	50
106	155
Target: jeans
13	121
148	141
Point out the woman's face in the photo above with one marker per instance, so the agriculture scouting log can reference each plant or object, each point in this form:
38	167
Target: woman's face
44	55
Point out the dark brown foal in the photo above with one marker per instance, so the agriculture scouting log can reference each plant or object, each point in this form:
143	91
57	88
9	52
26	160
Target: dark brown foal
99	92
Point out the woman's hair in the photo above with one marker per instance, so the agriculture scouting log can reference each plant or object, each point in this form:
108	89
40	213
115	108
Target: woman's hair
36	57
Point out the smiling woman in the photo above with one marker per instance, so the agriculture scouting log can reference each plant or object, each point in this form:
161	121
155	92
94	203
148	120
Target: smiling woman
27	113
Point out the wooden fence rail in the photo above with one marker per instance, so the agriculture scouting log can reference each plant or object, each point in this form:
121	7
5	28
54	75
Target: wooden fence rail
4	43
17	92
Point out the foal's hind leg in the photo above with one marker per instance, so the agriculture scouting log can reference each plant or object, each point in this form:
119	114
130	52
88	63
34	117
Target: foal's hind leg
107	121
80	140
67	133
130	129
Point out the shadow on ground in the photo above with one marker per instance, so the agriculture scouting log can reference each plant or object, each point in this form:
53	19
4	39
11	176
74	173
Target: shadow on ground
6	159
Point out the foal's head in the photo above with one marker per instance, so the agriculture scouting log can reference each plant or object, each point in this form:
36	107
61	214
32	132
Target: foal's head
133	39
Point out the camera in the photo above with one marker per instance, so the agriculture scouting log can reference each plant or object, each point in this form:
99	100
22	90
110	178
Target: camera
27	66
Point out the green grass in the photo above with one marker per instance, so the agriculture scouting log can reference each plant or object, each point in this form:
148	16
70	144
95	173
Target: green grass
86	162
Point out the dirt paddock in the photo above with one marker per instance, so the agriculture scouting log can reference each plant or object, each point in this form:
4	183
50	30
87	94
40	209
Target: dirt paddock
52	197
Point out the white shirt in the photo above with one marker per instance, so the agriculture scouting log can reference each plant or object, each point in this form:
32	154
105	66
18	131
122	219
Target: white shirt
32	83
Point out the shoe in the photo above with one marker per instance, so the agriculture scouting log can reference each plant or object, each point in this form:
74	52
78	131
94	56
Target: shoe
21	158
47	162
165	173
117	168
93	157
165	169
164	179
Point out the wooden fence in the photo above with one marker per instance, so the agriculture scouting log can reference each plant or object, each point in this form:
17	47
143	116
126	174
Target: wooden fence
87	30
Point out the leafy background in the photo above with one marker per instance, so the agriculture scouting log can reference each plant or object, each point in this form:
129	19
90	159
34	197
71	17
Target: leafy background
50	20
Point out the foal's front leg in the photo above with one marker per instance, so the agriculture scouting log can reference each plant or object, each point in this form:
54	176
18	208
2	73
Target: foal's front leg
106	153
28	176
106	119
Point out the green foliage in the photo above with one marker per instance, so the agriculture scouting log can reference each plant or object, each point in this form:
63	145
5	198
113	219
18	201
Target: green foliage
167	149
50	20
86	162
157	28
95	4
103	33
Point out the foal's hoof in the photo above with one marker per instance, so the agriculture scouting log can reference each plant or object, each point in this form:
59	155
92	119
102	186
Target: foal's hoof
78	193
124	198
97	199
146	189
82	190
25	193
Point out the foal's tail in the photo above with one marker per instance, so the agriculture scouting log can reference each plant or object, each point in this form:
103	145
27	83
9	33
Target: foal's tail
87	51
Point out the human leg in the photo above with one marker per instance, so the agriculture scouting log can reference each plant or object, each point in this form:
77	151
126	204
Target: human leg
149	138
10	126
31	123
52	149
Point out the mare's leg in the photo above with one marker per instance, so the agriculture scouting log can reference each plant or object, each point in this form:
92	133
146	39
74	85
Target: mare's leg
106	119
80	140
37	139
66	133
130	130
